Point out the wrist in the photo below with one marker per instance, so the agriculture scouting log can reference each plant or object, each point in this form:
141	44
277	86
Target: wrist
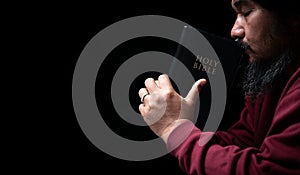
167	131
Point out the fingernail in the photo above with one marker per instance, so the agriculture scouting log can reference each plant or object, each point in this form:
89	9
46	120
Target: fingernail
202	82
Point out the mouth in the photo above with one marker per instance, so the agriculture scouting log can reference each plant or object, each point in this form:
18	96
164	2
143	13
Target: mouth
245	47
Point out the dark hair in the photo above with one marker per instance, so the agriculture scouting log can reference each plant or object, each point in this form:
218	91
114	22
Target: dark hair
283	7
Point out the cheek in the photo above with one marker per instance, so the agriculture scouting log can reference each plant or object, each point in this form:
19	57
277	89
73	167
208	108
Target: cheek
272	39
266	47
274	43
265	43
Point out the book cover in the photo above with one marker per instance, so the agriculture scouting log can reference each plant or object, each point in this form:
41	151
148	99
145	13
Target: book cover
226	60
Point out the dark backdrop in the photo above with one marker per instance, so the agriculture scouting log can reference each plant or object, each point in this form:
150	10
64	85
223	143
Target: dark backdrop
58	32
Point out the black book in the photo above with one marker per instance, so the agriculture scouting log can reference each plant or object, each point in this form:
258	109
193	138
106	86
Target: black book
220	62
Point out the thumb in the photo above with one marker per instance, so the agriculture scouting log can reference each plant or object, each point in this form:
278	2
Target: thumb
195	90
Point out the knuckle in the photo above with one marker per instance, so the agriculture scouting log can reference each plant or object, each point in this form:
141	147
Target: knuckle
162	76
148	80
169	93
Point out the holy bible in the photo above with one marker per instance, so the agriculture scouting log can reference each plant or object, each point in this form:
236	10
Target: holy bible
226	59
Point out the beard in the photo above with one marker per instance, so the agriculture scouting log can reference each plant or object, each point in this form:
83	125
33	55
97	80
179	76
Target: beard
260	75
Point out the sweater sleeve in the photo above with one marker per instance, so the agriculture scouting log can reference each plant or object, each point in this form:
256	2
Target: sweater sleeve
229	153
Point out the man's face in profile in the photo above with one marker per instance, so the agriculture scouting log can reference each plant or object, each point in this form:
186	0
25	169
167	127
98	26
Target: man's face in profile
259	29
265	41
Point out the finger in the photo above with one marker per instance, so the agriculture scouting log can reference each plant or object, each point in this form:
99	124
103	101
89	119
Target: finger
144	95
151	85
165	82
193	94
142	91
157	83
144	109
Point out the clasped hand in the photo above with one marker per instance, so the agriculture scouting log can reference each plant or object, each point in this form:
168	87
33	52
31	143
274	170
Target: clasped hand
164	109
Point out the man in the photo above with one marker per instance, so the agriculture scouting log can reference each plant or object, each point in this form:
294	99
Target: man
266	139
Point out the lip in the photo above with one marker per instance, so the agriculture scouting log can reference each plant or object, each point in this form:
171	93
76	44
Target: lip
247	51
249	57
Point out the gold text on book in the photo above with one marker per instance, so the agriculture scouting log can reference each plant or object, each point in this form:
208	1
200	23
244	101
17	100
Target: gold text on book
206	64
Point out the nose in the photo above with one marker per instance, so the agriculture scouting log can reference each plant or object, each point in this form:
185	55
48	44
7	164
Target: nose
238	30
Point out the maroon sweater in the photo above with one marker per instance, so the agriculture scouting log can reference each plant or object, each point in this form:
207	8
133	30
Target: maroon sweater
266	139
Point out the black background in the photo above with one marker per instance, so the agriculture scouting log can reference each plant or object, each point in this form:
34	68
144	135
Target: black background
51	37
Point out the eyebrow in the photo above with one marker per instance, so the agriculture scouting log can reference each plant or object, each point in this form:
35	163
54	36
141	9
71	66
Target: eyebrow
237	4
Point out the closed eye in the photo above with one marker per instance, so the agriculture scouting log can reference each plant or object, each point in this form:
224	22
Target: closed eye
247	13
